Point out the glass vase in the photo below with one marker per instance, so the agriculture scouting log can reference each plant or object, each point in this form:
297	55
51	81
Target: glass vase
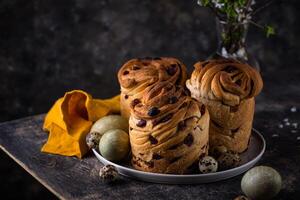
232	42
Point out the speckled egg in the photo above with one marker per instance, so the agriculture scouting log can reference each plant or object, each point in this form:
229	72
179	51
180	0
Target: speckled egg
208	165
93	139
108	174
261	183
228	160
114	145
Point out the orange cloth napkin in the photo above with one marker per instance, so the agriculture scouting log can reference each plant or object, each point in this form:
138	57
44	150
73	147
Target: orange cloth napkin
71	118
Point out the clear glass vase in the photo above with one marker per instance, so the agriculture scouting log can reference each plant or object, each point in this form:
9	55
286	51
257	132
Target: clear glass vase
232	42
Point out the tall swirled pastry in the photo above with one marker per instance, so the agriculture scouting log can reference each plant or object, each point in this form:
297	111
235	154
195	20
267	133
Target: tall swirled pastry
168	130
138	74
227	87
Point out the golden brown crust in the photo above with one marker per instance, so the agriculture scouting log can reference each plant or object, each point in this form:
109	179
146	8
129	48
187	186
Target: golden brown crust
225	80
227	87
168	130
138	74
230	129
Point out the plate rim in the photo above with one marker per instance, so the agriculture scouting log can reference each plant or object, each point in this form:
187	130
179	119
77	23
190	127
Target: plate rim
158	175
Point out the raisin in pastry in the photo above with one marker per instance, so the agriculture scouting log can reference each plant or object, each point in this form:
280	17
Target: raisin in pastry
168	130
138	74
227	87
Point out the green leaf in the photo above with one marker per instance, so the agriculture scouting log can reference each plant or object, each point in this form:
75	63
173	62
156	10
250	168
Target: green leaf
203	2
242	2
269	31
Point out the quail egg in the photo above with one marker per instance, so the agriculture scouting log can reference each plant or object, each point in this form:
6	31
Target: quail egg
108	174
208	165
261	183
114	145
228	160
93	139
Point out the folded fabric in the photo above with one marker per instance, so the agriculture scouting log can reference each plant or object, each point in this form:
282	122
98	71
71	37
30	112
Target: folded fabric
71	118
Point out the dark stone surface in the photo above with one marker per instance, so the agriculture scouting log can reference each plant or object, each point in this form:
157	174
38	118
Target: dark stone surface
50	47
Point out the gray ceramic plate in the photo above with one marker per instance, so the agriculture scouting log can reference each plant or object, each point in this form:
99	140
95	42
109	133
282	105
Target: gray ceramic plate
254	152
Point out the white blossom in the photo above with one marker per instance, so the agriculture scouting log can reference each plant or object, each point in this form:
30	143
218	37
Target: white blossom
224	52
199	2
241	53
218	4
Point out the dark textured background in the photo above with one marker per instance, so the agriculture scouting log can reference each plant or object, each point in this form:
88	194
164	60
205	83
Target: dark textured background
50	47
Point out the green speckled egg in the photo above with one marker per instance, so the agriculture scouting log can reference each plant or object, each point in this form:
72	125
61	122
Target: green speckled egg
110	122
114	145
261	183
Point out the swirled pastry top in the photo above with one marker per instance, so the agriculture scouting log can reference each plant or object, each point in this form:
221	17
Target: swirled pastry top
162	103
137	74
226	80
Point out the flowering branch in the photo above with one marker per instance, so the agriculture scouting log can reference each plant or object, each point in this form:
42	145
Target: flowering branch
236	12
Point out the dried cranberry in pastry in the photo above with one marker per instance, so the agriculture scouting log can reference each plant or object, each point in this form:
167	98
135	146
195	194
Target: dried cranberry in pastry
156	156
125	72
173	100
126	96
166	118
238	82
202	110
153	140
153	111
234	109
188	140
141	123
135	102
181	125
136	67
171	70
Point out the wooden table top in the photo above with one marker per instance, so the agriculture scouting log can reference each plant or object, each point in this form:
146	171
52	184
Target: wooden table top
72	178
